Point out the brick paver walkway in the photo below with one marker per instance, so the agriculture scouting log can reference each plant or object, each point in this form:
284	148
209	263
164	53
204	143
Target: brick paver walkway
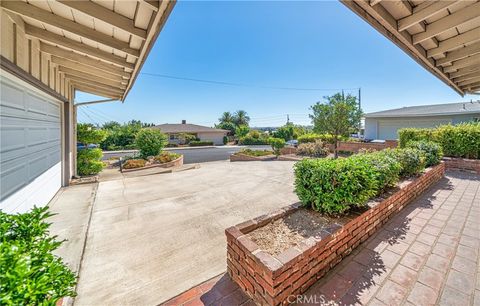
428	254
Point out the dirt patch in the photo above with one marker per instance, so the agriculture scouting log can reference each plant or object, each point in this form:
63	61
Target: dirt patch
294	228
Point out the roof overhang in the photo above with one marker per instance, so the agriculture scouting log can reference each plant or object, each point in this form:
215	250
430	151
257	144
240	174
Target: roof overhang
98	46
442	35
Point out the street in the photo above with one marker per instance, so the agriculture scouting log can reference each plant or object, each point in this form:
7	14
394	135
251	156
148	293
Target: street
195	155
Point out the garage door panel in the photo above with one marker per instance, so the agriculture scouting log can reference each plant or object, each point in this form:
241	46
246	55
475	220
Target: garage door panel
30	153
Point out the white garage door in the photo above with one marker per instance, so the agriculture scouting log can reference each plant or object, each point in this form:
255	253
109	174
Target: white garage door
388	129
30	151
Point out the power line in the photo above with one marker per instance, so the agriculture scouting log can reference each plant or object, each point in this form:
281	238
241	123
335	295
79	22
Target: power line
241	84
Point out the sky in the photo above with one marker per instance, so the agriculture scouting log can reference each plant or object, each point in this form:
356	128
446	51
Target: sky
282	57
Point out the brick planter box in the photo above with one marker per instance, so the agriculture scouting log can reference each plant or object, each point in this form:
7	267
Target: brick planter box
244	157
174	163
270	280
463	164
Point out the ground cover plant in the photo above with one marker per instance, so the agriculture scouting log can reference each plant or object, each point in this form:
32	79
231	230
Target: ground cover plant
462	140
335	186
165	157
251	152
134	163
30	274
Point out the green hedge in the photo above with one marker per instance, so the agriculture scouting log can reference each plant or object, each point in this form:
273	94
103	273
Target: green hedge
462	140
249	140
432	150
334	186
199	143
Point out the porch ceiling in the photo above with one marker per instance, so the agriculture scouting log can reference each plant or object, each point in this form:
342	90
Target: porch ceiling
442	35
99	45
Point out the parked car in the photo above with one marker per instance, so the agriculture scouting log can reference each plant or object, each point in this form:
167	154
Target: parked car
292	143
81	146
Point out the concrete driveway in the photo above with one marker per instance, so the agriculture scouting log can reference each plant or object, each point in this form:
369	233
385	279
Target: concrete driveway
153	237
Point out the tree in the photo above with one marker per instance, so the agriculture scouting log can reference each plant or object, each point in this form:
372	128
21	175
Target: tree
226	117
227	126
88	134
338	116
111	125
277	144
242	131
241	118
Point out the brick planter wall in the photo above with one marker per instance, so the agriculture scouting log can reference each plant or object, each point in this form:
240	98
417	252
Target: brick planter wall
356	146
270	280
243	157
463	164
174	163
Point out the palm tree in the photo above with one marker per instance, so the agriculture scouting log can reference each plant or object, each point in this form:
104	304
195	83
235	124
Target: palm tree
226	117
241	118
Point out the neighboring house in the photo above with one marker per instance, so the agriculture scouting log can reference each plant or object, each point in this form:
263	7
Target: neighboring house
49	51
385	124
204	133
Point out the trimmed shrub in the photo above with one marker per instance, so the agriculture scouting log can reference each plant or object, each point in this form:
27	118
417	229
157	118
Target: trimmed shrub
134	163
30	273
413	134
334	186
432	151
277	144
166	157
387	168
249	140
251	152
315	149
412	161
89	161
150	142
312	137
199	143
225	140
462	140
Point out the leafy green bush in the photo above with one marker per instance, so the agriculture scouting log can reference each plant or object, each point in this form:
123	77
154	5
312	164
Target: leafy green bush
251	152
432	151
225	140
462	140
312	137
89	161
88	134
333	186
30	274
277	144
199	143
242	131
150	142
413	134
412	161
249	140
387	168
313	149
134	163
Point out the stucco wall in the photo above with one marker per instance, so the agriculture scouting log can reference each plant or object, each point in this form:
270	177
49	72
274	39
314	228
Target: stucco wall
216	137
387	128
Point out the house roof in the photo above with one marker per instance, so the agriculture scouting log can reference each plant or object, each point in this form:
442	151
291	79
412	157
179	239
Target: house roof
442	36
96	46
430	110
186	128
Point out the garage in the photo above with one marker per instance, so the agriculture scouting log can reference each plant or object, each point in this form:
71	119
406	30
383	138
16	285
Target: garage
30	154
388	129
